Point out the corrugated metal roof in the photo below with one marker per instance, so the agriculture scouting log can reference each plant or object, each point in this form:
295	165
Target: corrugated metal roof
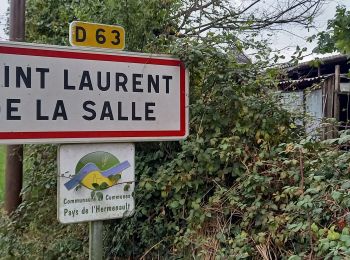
324	60
296	81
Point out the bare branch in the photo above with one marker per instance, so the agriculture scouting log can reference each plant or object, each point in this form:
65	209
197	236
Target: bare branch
203	16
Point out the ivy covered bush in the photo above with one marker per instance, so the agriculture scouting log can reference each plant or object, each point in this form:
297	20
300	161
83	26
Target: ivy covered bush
245	184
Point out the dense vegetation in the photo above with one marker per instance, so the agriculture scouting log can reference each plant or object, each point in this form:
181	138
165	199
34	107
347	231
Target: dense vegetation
246	183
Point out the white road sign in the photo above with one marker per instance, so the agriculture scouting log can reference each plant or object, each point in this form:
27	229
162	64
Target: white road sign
95	182
71	94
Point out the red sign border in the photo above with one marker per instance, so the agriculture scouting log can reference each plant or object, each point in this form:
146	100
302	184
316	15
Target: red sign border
85	55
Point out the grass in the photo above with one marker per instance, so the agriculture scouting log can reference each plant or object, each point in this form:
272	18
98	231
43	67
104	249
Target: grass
2	171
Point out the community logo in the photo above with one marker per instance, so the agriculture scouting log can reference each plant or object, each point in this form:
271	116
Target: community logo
97	171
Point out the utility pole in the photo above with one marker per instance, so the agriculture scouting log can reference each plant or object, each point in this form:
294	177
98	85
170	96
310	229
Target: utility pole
14	160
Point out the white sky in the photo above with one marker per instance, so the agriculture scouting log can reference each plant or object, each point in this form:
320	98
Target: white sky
293	36
3	8
286	41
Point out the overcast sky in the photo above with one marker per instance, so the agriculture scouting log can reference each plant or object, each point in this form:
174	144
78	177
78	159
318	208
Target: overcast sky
3	8
286	41
293	36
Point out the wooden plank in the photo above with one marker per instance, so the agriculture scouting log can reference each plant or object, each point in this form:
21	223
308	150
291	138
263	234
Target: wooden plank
336	97
329	105
14	158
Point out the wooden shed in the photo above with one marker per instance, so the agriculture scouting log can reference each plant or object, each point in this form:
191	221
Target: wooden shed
322	91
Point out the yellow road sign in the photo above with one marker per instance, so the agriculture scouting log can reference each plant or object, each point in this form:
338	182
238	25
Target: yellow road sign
96	35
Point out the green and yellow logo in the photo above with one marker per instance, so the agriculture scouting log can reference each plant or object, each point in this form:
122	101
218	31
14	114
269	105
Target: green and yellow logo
97	171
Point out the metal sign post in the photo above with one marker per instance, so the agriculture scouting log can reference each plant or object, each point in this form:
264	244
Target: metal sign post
96	240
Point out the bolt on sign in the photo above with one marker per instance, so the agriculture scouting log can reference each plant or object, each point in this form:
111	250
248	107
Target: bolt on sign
53	94
96	35
95	182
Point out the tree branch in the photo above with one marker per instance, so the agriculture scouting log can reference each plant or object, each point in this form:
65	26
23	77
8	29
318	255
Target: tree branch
219	14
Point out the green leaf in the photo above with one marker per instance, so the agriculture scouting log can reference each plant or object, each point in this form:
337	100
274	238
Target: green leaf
164	194
345	238
345	185
103	186
148	186
195	205
336	195
333	235
126	187
99	196
346	231
314	227
115	178
174	204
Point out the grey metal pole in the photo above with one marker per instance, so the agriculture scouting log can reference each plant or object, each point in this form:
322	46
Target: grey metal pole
14	159
96	240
